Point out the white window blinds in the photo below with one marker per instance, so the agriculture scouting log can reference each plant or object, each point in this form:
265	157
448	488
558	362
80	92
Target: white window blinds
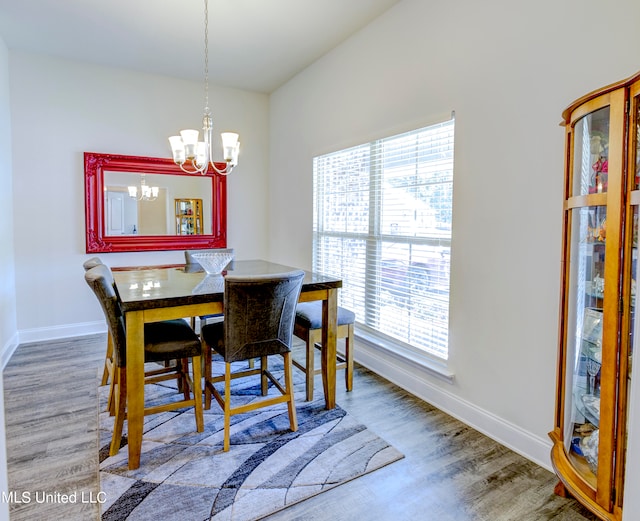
382	222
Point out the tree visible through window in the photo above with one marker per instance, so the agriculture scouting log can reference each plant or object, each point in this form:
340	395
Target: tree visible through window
382	222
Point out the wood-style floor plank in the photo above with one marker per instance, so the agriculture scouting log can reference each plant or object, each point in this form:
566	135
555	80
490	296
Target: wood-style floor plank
51	415
450	472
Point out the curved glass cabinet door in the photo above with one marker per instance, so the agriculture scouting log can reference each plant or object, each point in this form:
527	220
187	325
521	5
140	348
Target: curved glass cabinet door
586	292
591	153
584	339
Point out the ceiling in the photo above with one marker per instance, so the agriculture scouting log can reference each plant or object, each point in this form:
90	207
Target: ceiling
255	45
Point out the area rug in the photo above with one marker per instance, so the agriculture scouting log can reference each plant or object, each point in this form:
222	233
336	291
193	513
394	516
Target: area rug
186	476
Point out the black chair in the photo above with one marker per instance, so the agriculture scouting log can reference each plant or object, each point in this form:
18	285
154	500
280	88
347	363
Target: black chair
163	341
259	313
308	327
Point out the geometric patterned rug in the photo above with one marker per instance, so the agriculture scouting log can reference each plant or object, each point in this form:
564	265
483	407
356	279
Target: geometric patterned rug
185	475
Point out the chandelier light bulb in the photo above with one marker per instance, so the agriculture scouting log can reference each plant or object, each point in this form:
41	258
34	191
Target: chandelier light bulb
189	141
177	149
147	193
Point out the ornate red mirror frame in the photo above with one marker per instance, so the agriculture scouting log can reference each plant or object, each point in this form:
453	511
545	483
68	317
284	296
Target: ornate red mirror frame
95	165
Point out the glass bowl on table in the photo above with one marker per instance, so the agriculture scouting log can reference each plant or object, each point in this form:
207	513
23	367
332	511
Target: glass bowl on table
213	262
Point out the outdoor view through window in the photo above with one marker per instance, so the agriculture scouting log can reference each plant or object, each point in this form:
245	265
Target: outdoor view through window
382	222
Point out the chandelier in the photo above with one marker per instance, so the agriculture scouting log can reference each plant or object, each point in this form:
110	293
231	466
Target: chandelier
147	193
194	156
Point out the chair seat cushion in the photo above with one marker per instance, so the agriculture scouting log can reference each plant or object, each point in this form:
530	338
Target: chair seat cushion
213	333
170	339
309	315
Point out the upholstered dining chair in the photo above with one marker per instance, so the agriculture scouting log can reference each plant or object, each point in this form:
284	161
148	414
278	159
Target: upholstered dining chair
192	264
163	341
107	372
308	327
259	312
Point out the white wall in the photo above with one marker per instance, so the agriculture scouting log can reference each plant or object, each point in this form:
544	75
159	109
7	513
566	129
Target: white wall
8	321
61	109
508	69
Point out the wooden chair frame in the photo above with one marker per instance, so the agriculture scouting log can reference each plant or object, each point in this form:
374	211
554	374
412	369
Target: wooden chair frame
313	339
286	392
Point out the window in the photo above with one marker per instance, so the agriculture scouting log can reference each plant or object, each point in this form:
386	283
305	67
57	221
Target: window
382	222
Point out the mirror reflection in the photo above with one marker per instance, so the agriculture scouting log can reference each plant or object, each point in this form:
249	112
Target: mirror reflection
156	204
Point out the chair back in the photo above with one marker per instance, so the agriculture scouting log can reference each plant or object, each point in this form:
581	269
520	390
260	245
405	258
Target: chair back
92	263
259	314
100	280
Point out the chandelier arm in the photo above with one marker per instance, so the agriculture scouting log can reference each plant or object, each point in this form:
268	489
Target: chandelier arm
226	171
196	169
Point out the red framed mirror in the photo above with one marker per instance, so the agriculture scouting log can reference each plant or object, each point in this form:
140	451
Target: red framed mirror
106	181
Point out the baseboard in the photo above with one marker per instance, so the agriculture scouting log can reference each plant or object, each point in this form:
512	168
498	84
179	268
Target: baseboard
42	334
7	351
409	378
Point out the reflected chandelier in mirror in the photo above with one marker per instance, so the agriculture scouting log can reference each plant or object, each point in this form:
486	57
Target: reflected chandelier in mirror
118	222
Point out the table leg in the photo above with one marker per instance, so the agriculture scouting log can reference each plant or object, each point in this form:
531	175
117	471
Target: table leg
329	339
135	385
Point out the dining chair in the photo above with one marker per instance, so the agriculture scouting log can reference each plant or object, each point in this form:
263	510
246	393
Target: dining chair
308	327
192	264
107	372
163	341
259	312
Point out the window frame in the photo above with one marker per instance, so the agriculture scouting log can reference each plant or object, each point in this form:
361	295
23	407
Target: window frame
374	238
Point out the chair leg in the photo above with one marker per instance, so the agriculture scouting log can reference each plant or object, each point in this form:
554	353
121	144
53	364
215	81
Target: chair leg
348	348
227	406
197	391
207	375
288	383
108	361
111	399
310	371
120	374
264	382
184	371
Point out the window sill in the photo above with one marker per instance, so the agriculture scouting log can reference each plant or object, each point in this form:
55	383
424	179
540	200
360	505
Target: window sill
395	350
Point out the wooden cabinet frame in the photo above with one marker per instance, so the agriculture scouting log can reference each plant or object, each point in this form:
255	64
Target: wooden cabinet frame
598	486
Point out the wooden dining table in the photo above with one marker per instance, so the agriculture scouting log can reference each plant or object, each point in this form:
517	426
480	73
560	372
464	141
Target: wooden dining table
155	293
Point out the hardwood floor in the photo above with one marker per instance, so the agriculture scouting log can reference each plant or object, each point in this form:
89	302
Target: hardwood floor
51	416
450	472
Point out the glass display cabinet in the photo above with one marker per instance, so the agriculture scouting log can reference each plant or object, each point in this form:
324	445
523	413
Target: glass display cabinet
189	217
597	305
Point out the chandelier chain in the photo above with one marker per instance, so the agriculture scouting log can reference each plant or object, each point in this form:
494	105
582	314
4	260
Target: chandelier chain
206	57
